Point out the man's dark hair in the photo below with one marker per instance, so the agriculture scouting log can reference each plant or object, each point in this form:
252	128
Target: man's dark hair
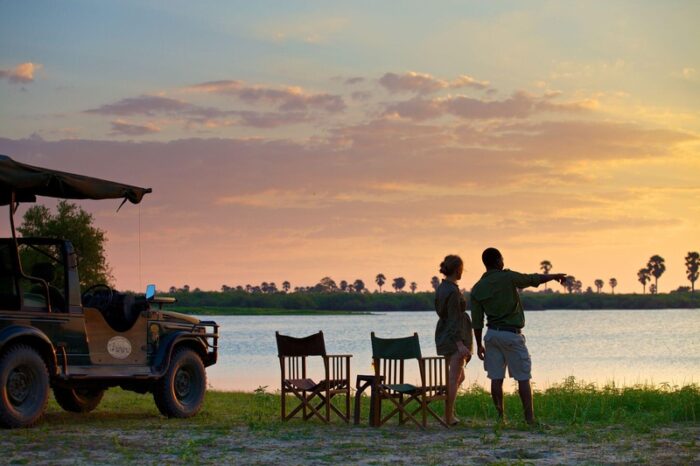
490	257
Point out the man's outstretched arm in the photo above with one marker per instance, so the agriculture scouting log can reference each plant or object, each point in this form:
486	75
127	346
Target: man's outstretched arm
548	277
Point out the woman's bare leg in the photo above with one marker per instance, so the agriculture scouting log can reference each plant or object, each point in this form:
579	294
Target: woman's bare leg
456	378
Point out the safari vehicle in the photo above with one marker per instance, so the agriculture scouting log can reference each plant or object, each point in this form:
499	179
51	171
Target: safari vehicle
52	336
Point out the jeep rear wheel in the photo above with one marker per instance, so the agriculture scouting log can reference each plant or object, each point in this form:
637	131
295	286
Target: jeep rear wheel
24	387
78	400
180	393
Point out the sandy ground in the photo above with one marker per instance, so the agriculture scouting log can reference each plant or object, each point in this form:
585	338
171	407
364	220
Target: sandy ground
298	443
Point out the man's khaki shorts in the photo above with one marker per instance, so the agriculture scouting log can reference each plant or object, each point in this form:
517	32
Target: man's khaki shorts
506	349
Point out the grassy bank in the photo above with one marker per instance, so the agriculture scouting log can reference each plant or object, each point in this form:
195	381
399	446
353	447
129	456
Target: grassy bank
587	425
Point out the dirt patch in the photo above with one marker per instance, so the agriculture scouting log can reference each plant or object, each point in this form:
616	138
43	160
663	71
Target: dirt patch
298	443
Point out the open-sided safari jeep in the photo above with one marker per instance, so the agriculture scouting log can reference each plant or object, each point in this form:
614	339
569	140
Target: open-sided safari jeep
80	344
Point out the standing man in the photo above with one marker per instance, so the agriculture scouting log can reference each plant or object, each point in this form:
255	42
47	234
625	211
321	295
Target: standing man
496	296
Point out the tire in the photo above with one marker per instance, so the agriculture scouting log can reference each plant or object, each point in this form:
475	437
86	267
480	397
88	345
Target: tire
24	387
180	393
78	400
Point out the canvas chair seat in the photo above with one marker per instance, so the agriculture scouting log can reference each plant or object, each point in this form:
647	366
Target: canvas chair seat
315	398
406	388
304	384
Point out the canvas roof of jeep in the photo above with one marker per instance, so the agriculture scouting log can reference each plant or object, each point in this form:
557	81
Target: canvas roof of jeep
27	182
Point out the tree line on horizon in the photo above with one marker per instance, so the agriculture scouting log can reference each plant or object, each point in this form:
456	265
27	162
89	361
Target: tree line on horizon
655	268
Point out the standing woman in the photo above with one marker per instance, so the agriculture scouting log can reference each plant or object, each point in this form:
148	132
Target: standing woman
453	334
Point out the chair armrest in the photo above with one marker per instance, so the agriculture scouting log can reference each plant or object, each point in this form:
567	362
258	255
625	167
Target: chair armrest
339	355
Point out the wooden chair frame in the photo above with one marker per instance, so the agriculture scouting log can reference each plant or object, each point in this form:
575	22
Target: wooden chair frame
315	398
434	375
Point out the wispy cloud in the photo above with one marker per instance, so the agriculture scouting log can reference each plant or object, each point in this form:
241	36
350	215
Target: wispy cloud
189	113
125	128
519	105
21	74
290	98
423	83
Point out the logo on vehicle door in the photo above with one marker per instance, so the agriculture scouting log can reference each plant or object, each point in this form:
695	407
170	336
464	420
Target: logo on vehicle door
119	347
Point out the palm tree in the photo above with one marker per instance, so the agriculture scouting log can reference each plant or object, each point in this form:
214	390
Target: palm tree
358	285
599	284
435	282
613	284
657	267
643	276
413	287
652	289
172	290
578	286
692	265
398	283
286	286
343	285
380	280
545	267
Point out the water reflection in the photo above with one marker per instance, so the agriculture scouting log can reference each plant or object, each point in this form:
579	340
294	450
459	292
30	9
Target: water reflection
654	346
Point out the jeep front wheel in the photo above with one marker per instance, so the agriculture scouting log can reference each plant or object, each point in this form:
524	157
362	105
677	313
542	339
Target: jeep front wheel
78	400
180	393
24	387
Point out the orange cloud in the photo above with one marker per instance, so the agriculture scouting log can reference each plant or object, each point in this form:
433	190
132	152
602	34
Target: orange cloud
22	73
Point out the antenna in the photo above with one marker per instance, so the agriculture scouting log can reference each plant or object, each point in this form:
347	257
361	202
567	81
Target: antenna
140	282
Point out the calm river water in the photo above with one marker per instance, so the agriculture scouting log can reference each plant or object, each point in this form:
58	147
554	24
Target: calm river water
628	347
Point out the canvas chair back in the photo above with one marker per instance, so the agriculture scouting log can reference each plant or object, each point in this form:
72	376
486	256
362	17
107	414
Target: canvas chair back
312	345
389	354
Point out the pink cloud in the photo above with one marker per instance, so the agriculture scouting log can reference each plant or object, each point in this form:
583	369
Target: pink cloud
286	98
125	128
22	73
192	114
423	83
519	105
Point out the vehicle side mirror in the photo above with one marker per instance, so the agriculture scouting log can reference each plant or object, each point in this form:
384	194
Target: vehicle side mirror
150	292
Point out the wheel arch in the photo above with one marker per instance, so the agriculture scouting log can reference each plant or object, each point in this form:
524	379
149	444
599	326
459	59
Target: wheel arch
21	335
174	342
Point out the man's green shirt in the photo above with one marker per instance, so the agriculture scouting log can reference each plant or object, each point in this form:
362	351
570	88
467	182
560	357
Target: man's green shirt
496	296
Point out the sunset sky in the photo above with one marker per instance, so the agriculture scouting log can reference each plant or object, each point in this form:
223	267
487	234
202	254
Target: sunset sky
295	140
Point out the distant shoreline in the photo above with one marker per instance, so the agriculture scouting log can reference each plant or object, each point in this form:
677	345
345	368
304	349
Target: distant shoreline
337	303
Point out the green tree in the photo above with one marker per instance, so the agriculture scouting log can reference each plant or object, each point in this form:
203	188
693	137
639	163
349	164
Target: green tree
327	284
569	283
613	284
643	276
545	267
380	280
72	223
599	284
358	285
435	282
657	267
413	287
398	284
692	264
